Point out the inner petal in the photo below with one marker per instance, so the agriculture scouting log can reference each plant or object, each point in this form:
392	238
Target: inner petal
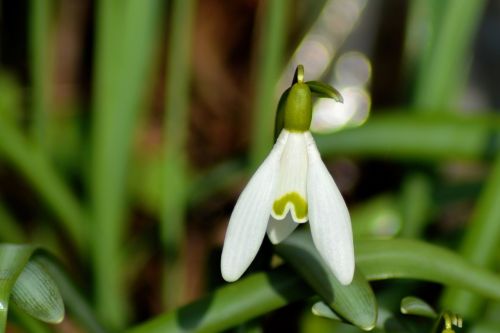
291	190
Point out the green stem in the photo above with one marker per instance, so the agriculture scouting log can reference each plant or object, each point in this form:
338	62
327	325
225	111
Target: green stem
272	42
416	203
40	12
126	35
175	180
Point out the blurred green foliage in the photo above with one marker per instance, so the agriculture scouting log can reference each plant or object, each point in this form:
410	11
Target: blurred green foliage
127	129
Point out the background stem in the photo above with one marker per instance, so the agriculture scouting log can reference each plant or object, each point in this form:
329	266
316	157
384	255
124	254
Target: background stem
176	127
272	38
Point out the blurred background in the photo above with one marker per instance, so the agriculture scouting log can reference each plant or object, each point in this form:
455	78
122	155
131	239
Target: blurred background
129	128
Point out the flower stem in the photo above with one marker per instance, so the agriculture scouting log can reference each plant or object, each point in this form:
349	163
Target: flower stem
272	40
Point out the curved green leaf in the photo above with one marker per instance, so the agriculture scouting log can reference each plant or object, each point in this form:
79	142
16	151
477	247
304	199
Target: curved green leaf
400	136
377	259
415	306
355	302
412	259
36	293
24	281
321	309
74	301
231	304
325	90
386	320
13	258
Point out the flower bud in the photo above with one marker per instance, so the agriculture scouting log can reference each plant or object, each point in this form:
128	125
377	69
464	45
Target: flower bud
298	108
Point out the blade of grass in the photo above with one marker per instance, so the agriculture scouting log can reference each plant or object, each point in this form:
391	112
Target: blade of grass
175	182
272	41
40	174
232	304
416	203
415	137
412	259
438	78
480	244
39	25
436	87
125	43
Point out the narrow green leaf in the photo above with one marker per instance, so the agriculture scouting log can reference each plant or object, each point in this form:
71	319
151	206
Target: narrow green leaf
36	293
416	137
321	309
76	304
480	243
416	202
415	306
355	302
175	162
384	317
126	41
231	304
325	91
441	74
13	259
412	259
42	176
40	67
272	42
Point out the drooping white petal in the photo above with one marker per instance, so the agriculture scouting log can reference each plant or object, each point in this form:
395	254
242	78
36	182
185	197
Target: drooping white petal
290	195
248	222
278	231
329	217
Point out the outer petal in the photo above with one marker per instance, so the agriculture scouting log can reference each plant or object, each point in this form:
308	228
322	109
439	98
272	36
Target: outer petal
278	230
329	217
248	222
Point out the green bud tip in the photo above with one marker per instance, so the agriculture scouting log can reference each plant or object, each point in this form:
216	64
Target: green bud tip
298	107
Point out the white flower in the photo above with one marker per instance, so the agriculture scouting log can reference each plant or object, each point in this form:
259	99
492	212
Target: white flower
291	187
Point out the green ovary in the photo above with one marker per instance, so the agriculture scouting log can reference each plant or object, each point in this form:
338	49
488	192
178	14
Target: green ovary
298	202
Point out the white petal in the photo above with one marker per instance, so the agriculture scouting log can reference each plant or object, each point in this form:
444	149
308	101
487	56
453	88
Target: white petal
278	230
248	222
329	218
291	193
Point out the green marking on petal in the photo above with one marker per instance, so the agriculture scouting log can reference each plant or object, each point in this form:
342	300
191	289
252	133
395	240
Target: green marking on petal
298	202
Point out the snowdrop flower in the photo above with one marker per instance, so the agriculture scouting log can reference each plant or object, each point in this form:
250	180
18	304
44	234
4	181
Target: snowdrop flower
292	186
